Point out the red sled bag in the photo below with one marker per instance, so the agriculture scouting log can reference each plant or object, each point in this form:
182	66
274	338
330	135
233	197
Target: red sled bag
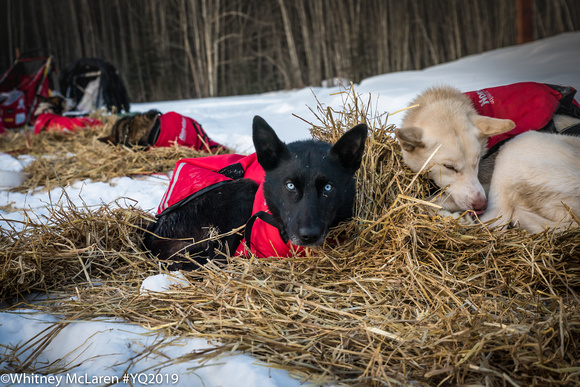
53	122
197	176
530	105
174	128
33	73
13	111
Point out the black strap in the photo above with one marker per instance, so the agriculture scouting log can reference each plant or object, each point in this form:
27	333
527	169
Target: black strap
268	218
566	106
154	134
200	132
573	130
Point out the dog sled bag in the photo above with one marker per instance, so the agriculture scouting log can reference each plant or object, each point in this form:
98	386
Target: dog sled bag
197	176
54	122
176	128
530	105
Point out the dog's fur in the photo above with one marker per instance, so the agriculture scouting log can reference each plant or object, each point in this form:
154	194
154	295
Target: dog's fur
524	183
133	130
55	105
309	186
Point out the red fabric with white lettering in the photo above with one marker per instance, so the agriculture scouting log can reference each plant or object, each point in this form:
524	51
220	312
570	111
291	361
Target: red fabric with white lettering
530	105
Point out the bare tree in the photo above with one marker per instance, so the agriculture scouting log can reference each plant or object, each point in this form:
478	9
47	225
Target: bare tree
170	49
295	71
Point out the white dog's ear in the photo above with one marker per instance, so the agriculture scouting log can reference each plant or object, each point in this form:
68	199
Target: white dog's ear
492	126
410	138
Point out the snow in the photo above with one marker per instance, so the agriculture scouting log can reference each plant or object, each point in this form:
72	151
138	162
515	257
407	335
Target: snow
163	282
110	347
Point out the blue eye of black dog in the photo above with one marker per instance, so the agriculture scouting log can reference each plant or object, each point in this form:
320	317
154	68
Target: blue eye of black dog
328	187
290	186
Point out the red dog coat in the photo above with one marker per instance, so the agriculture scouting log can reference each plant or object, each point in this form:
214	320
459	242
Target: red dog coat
184	131
530	105
196	176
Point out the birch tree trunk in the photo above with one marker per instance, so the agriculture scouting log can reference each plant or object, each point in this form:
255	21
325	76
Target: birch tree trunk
295	72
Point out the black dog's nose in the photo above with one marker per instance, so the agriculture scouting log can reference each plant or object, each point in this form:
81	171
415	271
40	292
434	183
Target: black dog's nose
309	235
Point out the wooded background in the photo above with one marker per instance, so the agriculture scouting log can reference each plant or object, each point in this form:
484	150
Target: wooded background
174	49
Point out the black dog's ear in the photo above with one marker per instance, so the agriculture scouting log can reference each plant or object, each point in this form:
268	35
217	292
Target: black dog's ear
350	147
269	149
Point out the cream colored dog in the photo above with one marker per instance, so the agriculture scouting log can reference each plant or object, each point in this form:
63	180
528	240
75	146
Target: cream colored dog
533	181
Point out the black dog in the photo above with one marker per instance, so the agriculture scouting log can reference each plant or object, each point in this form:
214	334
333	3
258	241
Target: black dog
308	187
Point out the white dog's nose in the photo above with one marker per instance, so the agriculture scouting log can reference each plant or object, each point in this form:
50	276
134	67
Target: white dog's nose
479	203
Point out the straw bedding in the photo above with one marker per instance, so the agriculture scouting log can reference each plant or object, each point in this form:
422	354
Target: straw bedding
64	157
400	297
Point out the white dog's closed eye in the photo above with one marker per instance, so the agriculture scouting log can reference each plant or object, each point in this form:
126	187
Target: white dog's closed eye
451	167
